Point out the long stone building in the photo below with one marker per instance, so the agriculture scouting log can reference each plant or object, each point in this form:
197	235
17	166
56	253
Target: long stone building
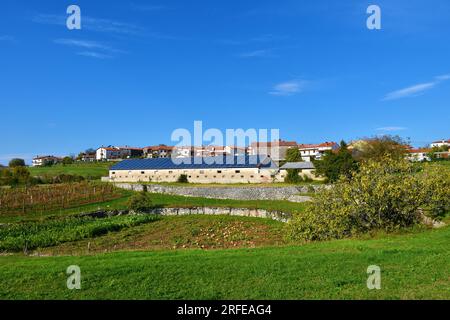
223	169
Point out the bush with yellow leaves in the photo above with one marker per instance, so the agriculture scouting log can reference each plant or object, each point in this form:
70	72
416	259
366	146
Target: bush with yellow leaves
386	194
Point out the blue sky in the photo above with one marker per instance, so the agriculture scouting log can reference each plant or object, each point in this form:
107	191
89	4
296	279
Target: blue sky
140	69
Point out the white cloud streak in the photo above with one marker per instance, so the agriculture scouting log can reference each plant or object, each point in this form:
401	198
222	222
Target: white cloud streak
391	128
289	88
416	90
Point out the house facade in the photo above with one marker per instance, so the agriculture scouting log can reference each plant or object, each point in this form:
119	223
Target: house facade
44	160
159	151
311	152
418	155
276	150
116	153
440	143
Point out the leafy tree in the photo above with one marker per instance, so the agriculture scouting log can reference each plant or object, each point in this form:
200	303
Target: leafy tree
379	147
293	155
336	164
293	176
16	163
432	153
140	202
21	175
67	160
383	195
183	178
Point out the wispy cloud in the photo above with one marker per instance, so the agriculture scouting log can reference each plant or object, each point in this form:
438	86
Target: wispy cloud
289	88
391	128
92	54
257	53
443	77
265	38
416	90
107	51
93	24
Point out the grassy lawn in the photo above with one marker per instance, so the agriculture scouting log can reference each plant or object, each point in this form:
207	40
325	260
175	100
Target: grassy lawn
94	170
413	266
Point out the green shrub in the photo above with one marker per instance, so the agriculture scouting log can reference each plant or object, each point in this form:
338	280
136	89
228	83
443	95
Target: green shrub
293	176
140	202
183	178
435	191
383	195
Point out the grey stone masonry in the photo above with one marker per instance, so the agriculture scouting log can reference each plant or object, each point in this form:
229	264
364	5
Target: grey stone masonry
290	193
242	212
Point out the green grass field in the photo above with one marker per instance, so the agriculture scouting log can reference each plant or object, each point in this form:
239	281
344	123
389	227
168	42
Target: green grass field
413	266
94	170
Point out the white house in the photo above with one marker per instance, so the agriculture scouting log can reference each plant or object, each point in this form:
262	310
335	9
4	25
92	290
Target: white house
440	143
316	151
418	155
42	160
116	153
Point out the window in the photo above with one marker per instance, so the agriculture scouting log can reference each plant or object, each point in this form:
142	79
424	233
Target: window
219	171
113	172
170	171
237	171
142	172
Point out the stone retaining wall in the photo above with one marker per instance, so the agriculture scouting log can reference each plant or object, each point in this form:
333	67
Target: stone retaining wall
242	212
290	193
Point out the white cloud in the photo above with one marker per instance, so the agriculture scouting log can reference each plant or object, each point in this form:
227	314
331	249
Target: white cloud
256	54
391	129
289	88
92	54
443	77
416	90
92	24
108	52
410	91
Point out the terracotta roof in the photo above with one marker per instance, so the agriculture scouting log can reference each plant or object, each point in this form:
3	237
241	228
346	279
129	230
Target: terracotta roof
420	150
160	147
319	145
279	143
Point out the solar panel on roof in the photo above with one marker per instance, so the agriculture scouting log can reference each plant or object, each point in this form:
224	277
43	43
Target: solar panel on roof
195	163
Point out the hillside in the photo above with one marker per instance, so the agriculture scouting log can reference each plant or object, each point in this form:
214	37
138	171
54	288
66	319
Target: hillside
413	266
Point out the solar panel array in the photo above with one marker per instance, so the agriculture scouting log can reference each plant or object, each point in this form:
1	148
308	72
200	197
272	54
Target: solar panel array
221	162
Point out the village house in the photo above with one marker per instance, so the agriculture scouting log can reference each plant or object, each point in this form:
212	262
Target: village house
440	143
418	155
117	153
87	157
277	150
45	160
159	151
311	152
